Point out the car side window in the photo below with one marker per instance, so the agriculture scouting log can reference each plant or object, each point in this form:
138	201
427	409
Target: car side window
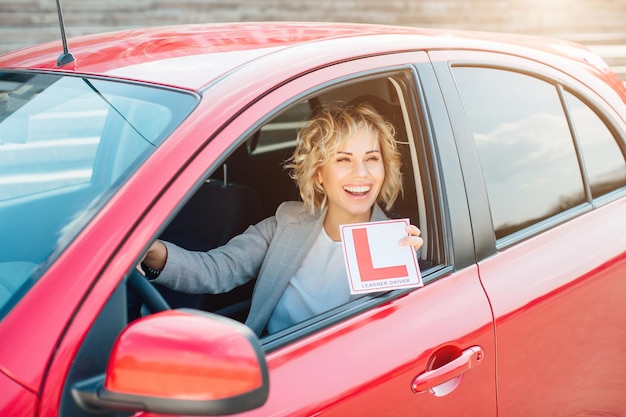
529	161
250	184
603	158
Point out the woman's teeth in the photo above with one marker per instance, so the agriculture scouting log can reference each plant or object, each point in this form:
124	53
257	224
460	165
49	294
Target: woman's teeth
357	189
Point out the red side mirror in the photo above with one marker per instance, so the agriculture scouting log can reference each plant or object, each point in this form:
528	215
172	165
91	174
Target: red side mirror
181	362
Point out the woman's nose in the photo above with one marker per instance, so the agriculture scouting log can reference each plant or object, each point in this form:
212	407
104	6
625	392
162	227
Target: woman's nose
361	169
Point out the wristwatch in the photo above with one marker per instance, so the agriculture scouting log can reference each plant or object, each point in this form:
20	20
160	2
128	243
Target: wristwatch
150	272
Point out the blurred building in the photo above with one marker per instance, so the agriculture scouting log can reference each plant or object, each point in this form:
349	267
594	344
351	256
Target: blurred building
596	23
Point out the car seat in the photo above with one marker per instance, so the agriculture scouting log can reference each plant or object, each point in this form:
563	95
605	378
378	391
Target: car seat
218	211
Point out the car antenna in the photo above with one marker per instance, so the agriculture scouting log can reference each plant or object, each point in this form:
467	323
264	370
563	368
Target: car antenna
66	57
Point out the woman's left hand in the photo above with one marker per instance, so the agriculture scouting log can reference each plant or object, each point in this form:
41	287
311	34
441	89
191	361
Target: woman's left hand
413	238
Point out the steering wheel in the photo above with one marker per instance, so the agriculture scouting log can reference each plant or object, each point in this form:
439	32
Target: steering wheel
149	295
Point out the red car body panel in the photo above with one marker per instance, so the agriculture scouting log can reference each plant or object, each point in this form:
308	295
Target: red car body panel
353	392
16	399
574	291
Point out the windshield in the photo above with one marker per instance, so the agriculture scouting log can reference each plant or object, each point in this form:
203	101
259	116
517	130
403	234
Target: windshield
66	145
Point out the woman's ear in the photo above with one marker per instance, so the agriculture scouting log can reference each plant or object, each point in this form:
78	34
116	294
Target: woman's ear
318	177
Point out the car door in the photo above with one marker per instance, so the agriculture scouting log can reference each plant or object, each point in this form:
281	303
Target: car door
552	158
429	351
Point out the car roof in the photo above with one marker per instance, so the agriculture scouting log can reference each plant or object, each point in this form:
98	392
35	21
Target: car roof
191	56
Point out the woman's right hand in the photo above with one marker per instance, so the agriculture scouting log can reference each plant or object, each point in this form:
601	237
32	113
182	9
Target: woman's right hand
155	257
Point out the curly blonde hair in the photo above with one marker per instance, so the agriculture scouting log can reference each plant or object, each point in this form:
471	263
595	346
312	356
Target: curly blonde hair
322	136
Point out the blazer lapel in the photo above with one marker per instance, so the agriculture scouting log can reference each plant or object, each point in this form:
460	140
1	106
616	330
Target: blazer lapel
289	247
378	214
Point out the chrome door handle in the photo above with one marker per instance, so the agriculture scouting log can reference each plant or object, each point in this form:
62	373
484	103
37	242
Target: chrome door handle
469	359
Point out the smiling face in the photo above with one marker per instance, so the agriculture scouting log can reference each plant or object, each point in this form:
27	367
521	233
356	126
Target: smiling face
352	150
352	178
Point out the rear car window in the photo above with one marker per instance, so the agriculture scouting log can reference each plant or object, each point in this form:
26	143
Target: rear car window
603	157
66	145
525	145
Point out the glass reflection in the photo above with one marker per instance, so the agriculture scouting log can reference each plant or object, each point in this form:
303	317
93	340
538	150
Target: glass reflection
524	143
604	160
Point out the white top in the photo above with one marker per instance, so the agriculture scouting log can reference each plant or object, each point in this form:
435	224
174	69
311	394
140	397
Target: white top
319	284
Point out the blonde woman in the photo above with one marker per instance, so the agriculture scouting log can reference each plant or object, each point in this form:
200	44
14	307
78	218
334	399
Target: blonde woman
346	163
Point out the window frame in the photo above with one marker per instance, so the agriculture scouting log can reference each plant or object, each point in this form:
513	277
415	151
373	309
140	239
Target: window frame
444	61
618	137
584	187
408	88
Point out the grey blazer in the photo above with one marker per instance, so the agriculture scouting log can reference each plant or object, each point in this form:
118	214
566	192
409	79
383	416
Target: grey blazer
271	250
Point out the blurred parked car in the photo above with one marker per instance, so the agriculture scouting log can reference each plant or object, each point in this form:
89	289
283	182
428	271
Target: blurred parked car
514	169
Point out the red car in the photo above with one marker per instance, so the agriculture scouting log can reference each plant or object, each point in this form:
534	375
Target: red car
514	170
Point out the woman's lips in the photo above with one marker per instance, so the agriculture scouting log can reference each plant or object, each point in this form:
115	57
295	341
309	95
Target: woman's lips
357	190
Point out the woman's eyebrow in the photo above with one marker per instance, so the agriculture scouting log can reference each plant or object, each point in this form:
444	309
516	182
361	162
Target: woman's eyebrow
368	152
